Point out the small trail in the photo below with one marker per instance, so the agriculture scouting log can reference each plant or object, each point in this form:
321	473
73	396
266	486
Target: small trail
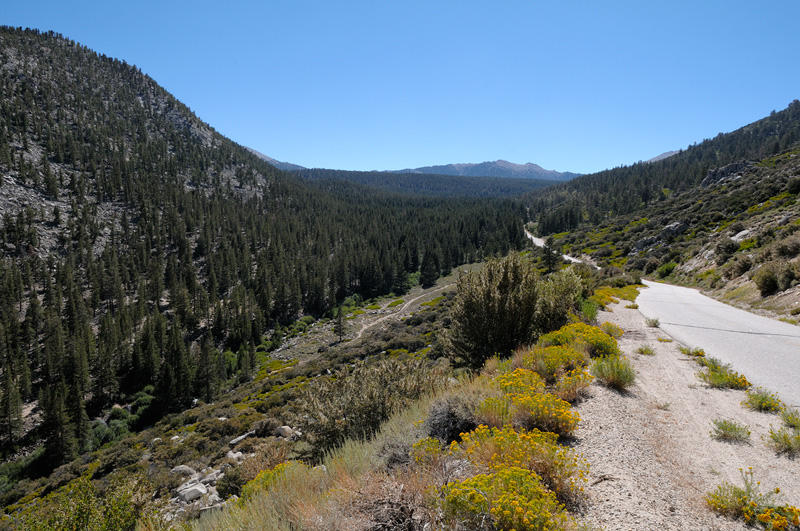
403	308
538	242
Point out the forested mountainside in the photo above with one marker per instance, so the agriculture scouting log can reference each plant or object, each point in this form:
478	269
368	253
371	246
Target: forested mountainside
432	185
137	243
590	199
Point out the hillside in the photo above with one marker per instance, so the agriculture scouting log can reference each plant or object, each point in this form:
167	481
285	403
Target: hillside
145	256
498	168
592	199
735	235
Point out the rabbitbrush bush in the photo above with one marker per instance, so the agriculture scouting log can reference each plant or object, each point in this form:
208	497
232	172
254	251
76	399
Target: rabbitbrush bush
561	470
599	343
514	498
552	362
759	399
720	375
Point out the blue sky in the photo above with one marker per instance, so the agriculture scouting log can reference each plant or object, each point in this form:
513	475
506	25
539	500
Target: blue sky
572	86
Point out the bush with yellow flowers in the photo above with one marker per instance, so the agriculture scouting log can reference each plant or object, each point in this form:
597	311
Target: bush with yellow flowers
514	498
265	479
561	470
553	361
754	507
599	343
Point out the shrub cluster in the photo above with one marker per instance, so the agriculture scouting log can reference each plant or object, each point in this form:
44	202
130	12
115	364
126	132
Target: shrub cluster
353	403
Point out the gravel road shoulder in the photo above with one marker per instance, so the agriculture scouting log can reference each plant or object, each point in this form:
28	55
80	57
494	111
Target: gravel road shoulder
651	454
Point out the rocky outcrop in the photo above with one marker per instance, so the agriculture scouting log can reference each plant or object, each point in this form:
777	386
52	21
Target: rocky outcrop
726	173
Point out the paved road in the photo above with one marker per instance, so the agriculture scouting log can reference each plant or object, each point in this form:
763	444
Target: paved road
766	351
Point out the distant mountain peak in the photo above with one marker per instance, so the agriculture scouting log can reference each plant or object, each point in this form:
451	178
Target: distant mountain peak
497	168
288	166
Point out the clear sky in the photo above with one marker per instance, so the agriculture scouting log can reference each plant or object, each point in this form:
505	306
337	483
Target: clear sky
570	85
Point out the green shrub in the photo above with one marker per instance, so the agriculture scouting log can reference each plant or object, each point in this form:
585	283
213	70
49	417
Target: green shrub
615	372
354	402
505	305
785	441
647	350
766	280
588	311
666	269
729	430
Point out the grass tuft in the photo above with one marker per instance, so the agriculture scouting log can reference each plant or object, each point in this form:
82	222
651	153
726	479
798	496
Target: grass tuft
647	350
730	431
615	372
653	323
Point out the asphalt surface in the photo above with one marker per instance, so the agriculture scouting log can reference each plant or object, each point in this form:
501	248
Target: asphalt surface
766	351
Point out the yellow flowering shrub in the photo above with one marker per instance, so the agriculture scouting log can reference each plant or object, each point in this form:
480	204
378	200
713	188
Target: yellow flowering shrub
520	381
543	411
265	479
611	329
572	385
553	361
600	343
426	451
561	470
513	497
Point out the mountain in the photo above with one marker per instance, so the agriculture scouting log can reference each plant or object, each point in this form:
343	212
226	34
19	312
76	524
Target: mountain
498	168
663	156
431	185
288	166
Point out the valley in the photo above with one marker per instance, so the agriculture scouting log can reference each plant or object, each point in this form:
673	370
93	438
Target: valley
194	338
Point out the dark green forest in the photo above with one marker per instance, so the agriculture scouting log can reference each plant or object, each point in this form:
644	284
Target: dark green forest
591	199
432	184
138	244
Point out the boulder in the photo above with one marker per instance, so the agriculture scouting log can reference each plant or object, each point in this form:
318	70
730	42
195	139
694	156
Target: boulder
189	492
237	440
183	470
673	229
283	431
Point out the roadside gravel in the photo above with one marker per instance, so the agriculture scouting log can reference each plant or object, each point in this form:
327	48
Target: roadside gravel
651	454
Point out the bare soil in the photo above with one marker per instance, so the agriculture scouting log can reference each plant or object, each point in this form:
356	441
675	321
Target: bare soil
651	454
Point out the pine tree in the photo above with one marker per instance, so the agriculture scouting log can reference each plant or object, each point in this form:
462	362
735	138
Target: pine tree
10	409
429	270
338	325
